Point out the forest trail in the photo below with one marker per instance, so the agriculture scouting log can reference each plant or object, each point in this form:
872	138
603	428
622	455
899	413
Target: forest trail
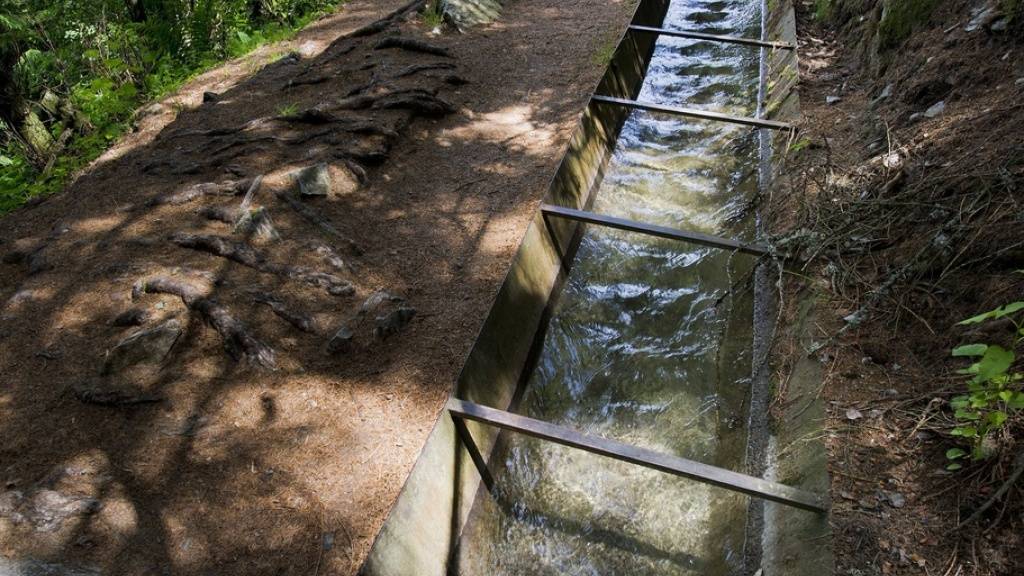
224	345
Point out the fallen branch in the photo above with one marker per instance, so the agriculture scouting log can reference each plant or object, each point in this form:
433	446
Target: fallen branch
238	343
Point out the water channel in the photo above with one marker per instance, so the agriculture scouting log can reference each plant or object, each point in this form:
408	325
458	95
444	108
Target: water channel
647	344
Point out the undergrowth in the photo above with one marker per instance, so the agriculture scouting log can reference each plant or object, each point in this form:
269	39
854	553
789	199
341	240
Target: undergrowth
73	73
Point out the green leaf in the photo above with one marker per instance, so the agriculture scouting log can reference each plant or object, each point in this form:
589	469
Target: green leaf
965	431
997	313
996	360
970	350
954	466
997	418
1017	402
1006	395
5	161
963	414
1009	309
954	453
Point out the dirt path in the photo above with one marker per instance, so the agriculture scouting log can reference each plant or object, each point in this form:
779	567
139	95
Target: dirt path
267	417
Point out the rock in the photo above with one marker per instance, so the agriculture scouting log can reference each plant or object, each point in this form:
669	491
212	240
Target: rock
1018	82
935	109
895	499
210	97
466	13
46	510
145	347
314	180
131	317
853	414
980	16
256	223
392	323
341	341
833	99
999	25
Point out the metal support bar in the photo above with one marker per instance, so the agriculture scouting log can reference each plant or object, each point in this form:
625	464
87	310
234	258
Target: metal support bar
693	113
652	230
713	37
647	458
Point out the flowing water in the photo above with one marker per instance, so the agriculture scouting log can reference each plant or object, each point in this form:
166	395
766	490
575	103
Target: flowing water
647	344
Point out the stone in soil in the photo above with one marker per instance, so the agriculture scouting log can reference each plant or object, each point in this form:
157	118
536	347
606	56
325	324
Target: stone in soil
393	322
145	347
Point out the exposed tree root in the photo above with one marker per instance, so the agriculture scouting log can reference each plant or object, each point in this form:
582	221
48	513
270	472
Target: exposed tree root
238	343
91	394
248	256
300	321
412	45
417	68
385	22
318	220
226	188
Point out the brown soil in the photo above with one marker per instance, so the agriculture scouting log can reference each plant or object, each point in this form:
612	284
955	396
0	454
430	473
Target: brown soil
208	463
909	249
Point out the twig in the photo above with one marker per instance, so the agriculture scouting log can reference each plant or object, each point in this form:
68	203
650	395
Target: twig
1018	469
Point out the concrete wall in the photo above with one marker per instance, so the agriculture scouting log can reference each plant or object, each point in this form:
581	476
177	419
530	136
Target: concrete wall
794	542
424	526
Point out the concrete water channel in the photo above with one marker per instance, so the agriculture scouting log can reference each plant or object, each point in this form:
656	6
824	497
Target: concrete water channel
604	420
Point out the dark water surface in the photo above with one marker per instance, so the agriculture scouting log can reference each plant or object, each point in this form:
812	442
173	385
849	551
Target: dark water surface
647	344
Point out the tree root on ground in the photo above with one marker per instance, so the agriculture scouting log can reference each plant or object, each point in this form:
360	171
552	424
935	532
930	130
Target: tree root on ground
238	343
383	24
412	45
319	221
226	188
247	256
298	320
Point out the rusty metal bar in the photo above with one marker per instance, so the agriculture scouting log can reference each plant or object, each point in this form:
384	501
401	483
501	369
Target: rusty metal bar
652	230
712	475
713	37
694	113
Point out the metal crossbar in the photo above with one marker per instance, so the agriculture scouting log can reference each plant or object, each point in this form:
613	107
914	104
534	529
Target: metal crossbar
694	113
653	230
713	37
756	487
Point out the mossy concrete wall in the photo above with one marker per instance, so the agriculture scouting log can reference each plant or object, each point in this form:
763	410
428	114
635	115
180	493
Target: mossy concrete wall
793	542
424	526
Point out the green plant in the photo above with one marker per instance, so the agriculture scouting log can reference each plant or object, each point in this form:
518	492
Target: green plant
993	386
72	72
288	109
433	15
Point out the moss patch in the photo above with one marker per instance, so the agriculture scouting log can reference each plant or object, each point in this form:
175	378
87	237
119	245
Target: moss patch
899	17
